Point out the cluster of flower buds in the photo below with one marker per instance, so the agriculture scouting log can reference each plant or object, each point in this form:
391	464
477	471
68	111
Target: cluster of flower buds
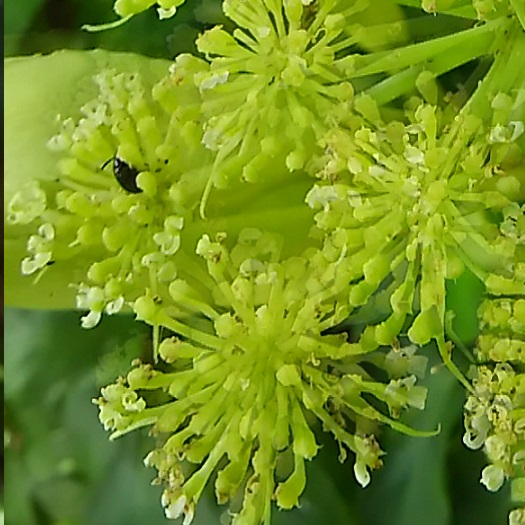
494	411
247	383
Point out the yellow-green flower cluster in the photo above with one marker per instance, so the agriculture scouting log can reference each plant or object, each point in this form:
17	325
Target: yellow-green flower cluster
123	208
276	82
125	240
245	321
495	410
249	373
405	205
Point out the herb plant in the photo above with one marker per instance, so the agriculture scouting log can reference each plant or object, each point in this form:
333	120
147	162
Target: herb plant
290	208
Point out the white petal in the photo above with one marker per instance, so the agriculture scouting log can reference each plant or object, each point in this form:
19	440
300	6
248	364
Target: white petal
91	319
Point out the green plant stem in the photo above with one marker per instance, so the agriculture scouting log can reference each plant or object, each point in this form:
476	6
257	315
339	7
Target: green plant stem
404	81
479	38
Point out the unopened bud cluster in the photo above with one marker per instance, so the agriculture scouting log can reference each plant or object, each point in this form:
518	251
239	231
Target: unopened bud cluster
241	392
494	412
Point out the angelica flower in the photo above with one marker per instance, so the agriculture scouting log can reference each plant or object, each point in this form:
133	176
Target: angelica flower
274	82
126	9
244	321
120	224
494	412
241	386
403	206
121	207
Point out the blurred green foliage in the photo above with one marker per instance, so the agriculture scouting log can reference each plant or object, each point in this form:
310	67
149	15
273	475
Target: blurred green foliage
60	467
42	26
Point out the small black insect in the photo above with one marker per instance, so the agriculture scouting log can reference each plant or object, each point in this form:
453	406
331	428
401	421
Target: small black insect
125	174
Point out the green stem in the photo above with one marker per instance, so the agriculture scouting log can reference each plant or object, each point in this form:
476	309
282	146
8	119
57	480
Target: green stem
392	60
104	27
193	334
445	351
404	81
507	73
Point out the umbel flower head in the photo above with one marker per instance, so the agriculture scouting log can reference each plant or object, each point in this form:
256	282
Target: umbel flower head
274	82
405	205
249	372
494	411
122	206
130	176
